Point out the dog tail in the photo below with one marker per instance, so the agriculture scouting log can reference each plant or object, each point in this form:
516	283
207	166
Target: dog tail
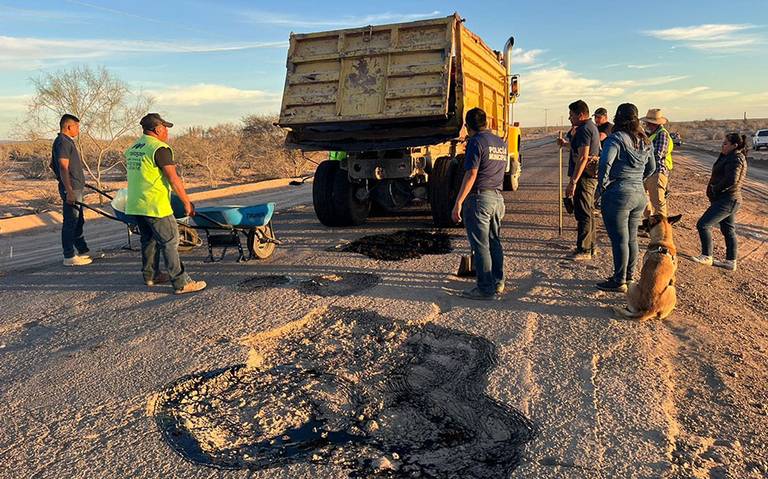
637	315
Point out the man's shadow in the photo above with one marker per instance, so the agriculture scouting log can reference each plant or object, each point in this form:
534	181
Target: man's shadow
350	387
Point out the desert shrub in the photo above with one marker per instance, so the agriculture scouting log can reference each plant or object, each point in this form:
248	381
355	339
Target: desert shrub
263	148
213	153
31	159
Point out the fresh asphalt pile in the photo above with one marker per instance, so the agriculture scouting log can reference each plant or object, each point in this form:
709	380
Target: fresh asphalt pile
376	396
339	284
400	245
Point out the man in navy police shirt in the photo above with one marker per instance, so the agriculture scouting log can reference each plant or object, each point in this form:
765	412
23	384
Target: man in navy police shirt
481	204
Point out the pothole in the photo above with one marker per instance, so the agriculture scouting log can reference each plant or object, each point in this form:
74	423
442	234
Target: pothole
263	281
339	284
405	244
376	396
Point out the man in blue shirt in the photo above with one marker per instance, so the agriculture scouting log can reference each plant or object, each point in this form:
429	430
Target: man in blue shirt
66	164
582	170
481	204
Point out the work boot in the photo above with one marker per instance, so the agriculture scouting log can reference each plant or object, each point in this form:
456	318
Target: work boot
500	288
191	287
159	278
579	255
729	264
703	259
475	293
77	261
612	286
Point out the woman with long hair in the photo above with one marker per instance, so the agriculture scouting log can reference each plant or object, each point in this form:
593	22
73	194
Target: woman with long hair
724	193
625	162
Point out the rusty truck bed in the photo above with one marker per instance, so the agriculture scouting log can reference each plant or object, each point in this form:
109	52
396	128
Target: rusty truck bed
389	86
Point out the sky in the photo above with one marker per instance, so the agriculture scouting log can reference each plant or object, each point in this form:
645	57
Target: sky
213	62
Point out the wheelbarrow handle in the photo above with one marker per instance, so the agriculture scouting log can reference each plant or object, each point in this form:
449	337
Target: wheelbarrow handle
99	211
101	192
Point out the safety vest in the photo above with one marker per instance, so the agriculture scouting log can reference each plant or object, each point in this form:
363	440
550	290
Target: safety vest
149	192
670	145
337	155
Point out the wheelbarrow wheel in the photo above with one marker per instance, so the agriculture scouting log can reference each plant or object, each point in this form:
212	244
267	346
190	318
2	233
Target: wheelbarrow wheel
257	245
188	239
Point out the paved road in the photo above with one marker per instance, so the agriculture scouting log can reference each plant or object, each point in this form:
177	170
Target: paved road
84	352
43	245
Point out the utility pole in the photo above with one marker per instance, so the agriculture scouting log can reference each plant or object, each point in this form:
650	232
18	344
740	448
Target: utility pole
546	130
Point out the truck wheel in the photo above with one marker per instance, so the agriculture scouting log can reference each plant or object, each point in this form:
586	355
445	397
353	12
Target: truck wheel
322	192
444	184
352	205
512	179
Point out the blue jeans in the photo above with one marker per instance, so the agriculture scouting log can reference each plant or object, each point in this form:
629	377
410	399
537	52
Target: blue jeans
160	236
72	226
482	214
721	211
622	210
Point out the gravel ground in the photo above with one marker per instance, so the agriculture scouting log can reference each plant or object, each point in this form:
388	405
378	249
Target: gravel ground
95	368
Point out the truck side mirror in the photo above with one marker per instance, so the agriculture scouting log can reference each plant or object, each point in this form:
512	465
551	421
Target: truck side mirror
514	86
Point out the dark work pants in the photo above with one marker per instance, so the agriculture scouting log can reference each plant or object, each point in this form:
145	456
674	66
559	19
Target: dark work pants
160	236
583	211
72	237
722	211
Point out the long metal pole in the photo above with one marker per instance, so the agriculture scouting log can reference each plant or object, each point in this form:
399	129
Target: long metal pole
560	189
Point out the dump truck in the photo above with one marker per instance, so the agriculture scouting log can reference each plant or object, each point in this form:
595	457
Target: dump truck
388	102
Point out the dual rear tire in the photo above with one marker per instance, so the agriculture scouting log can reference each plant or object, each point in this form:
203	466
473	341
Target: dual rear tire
338	201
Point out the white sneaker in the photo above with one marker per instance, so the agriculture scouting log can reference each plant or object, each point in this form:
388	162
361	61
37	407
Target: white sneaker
77	261
701	259
729	264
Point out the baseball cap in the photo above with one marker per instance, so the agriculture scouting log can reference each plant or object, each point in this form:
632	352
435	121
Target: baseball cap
152	121
601	111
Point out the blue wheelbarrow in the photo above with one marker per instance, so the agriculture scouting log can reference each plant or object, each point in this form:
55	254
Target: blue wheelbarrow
188	237
225	225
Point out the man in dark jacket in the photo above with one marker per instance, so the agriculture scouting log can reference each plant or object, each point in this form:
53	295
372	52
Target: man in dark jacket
485	162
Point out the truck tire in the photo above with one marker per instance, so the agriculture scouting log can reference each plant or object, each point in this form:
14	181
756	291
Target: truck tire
322	192
512	179
350	210
444	184
334	197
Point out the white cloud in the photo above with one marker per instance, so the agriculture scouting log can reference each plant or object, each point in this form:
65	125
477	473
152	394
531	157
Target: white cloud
207	94
525	57
20	53
644	67
294	21
712	37
555	87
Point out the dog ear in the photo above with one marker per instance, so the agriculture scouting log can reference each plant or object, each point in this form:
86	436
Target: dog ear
674	219
654	220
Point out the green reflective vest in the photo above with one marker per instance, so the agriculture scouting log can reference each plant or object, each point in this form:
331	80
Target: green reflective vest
670	145
337	155
149	192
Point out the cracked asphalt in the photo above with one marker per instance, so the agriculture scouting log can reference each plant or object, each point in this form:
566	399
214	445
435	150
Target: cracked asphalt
83	351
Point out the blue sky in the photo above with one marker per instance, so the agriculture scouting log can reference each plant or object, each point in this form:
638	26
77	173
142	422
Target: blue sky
212	62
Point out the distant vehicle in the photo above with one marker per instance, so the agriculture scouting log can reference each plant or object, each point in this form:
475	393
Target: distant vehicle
760	140
677	140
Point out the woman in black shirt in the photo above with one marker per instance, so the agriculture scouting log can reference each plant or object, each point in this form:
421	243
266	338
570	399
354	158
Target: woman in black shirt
724	193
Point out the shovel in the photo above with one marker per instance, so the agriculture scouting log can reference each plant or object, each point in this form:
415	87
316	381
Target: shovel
466	267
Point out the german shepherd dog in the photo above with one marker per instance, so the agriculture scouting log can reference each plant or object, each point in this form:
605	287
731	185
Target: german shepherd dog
654	295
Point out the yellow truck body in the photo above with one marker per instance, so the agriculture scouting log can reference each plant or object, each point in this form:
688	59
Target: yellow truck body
393	88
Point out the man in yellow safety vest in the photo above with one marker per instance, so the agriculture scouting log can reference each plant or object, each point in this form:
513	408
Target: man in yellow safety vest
151	176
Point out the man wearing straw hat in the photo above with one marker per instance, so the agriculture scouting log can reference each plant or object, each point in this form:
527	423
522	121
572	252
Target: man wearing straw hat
656	185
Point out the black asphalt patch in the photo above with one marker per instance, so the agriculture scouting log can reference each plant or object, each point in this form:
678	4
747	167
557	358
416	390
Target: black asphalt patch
375	396
263	281
405	244
339	284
